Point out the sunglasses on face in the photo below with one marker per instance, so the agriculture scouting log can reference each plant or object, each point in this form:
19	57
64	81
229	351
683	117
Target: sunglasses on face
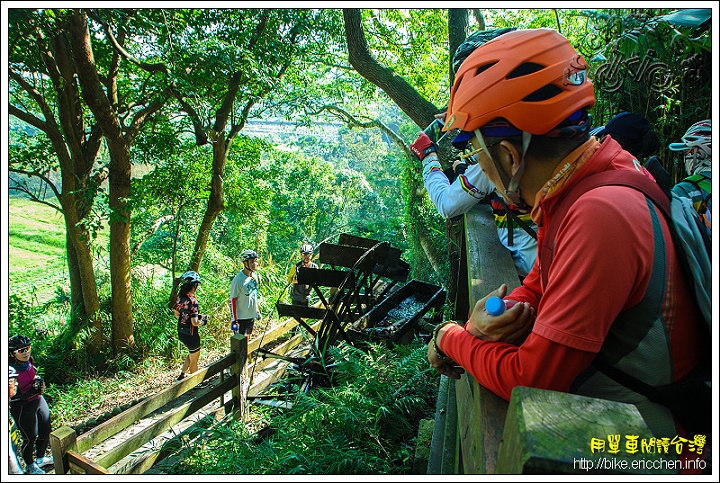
23	350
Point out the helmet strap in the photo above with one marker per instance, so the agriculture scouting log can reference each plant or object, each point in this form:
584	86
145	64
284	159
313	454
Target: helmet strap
511	189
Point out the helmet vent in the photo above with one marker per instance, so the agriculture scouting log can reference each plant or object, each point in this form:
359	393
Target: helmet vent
483	68
544	93
526	68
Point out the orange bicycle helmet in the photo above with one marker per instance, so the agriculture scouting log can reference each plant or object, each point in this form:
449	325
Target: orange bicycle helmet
534	79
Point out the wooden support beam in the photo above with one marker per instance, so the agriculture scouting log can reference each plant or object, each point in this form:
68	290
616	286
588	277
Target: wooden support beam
62	440
550	432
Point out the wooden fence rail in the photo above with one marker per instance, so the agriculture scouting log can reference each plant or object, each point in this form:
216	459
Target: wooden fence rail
69	449
538	431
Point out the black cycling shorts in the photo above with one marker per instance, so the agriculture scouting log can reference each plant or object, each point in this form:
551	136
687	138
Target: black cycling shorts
245	326
192	342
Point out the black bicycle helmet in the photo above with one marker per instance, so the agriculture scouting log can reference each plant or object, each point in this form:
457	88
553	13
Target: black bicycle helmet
473	41
18	342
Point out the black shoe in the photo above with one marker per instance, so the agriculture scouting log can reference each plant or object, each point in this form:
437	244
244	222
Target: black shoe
181	377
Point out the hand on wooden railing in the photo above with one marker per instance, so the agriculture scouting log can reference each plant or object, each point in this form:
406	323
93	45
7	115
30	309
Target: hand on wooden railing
440	362
512	326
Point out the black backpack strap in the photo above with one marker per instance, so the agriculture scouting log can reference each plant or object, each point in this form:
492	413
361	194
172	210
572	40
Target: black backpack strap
513	217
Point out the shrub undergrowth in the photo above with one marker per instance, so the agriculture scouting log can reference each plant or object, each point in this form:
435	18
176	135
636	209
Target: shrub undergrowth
366	423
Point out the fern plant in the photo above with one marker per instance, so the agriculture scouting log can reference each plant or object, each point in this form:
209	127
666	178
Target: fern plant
365	423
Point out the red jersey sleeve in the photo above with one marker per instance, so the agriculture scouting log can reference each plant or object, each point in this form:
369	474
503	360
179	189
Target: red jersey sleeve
499	367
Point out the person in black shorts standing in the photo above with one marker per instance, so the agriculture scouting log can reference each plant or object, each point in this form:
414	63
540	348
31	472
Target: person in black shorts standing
189	320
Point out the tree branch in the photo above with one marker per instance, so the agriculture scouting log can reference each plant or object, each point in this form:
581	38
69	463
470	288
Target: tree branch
23	188
150	231
419	109
159	67
353	121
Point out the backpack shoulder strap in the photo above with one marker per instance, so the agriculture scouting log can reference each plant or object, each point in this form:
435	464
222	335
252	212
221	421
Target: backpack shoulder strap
701	182
513	216
630	179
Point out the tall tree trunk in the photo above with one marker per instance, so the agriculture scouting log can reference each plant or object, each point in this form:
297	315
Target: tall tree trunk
82	273
76	148
77	202
119	179
215	204
76	301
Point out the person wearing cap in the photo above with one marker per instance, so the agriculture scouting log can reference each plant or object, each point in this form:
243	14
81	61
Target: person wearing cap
300	293
454	194
15	439
187	311
244	307
28	406
634	133
524	97
697	186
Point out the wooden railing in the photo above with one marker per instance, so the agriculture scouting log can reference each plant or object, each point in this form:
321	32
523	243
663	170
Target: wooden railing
70	450
538	431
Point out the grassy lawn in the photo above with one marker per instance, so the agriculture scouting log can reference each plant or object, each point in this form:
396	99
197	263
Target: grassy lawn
36	249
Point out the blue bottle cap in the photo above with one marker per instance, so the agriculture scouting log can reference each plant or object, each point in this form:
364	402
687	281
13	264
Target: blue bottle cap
495	305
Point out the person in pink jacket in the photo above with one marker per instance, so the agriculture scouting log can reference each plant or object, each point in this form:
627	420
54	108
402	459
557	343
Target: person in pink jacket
609	293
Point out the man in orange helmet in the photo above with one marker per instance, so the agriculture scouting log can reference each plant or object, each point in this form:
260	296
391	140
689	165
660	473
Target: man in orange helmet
609	294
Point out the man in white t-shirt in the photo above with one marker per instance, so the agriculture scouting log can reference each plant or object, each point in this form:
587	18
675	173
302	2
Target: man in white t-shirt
244	295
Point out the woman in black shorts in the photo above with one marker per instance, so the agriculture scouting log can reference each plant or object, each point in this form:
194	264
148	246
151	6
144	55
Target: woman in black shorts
189	320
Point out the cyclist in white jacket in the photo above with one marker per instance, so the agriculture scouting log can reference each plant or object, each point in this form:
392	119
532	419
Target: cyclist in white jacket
471	186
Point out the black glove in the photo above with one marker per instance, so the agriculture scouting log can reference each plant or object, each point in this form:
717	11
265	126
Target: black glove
460	168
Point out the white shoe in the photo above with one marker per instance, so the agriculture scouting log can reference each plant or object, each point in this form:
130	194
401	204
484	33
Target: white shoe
44	461
34	469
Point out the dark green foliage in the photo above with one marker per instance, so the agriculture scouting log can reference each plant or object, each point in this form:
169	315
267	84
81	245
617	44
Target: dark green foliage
364	424
644	61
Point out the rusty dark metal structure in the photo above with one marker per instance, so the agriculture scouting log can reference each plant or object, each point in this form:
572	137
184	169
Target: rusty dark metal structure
362	298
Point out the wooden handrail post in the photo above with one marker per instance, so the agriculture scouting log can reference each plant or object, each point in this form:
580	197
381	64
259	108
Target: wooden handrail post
239	347
62	440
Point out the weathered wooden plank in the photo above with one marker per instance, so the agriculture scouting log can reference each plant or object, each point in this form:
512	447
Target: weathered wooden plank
81	465
289	310
489	262
239	347
263	384
116	424
422	447
550	432
483	413
160	449
62	440
349	256
169	419
443	458
282	349
324	277
481	427
270	336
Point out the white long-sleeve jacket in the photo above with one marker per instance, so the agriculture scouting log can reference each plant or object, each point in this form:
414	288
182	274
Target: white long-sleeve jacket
456	198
